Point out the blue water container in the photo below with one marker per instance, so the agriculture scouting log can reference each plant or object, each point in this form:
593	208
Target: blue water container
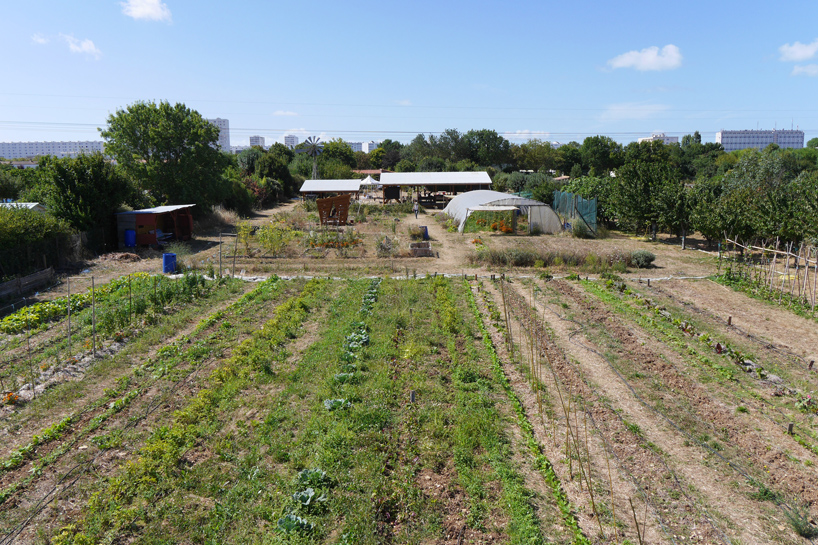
168	263
130	238
425	230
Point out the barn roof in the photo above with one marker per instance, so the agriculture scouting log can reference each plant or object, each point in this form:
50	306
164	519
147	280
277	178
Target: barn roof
435	178
158	209
331	186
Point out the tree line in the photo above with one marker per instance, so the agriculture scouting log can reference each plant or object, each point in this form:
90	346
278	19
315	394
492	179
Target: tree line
168	154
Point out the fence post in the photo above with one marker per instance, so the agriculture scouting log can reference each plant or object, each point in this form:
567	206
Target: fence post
69	316
93	316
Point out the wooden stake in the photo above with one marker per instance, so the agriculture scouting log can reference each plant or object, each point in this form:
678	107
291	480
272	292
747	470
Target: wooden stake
638	532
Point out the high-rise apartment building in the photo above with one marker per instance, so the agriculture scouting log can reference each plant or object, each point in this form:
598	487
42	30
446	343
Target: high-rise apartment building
759	139
257	141
17	150
356	146
290	140
224	132
367	147
660	137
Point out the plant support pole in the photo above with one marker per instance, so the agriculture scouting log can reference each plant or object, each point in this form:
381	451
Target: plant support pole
94	316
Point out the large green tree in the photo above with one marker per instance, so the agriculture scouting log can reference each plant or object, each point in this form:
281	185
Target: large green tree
84	191
170	150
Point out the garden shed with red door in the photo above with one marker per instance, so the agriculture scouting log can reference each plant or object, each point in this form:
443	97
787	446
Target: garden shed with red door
152	226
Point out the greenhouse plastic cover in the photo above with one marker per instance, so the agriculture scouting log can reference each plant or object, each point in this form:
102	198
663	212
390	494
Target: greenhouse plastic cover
461	206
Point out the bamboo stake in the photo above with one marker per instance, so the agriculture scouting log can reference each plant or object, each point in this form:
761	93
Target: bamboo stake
610	484
638	532
588	473
815	281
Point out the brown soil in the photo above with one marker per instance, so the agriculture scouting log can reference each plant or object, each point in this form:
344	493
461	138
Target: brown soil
764	455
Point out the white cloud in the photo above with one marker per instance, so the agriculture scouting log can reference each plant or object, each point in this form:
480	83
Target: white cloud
526	135
632	110
81	46
806	70
285	113
798	52
150	10
403	102
39	39
650	58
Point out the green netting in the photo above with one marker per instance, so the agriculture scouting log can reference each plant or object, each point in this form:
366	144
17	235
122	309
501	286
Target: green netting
574	207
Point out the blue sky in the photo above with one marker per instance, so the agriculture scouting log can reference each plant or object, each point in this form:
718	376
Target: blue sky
373	70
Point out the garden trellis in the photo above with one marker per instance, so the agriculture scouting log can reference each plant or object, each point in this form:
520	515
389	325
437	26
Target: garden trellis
783	272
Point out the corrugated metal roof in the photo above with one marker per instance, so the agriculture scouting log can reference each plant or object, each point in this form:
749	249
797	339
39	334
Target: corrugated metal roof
435	178
331	186
28	205
159	209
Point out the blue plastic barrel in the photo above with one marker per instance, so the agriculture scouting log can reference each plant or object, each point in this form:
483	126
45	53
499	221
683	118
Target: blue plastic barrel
425	230
130	238
168	263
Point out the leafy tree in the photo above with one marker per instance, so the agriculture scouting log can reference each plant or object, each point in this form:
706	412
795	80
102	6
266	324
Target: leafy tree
10	184
576	171
248	159
432	164
589	187
643	193
338	150
171	151
362	161
86	190
390	159
486	147
417	150
706	208
569	155
601	155
404	165
376	157
812	143
273	166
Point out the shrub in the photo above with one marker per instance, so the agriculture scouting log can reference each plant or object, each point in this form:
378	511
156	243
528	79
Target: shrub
580	230
642	258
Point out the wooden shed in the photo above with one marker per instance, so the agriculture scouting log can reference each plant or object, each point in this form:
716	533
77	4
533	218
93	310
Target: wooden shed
155	225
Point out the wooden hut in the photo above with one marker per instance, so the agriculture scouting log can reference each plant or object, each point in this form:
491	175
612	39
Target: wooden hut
158	225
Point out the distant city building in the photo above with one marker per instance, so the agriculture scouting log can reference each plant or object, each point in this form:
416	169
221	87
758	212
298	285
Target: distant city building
19	150
235	150
224	132
290	140
555	144
257	141
660	137
367	147
356	146
759	139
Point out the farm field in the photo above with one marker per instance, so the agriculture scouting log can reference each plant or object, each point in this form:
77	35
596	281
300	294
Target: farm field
423	410
358	398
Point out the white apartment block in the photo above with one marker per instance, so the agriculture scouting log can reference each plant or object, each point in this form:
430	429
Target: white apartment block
759	139
17	150
257	141
356	146
660	137
367	147
224	132
290	140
